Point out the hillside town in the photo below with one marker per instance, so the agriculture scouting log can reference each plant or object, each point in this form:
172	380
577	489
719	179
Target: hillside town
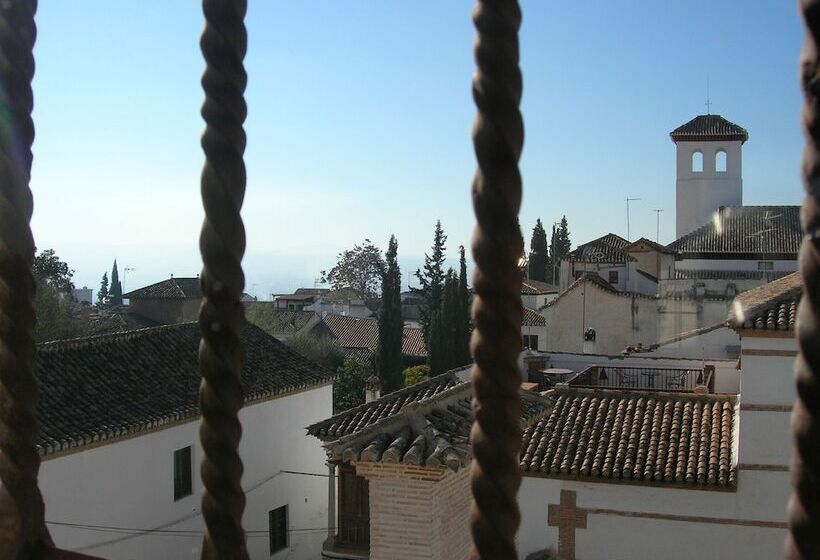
648	403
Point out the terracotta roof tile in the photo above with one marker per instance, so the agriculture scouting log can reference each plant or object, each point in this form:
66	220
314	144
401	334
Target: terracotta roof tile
535	287
432	432
623	436
363	332
533	318
772	306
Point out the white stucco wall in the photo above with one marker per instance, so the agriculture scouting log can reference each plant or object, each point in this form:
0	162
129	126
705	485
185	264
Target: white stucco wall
760	497
720	343
734	264
130	484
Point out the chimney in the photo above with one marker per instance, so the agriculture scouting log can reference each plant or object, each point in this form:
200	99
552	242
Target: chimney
372	389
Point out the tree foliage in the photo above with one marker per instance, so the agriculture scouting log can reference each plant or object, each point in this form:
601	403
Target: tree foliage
539	253
465	325
318	348
48	268
58	315
560	246
102	293
115	290
348	389
361	268
391	325
416	374
431	279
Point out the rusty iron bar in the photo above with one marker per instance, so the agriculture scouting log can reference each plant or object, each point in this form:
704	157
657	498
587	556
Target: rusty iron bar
25	530
222	244
803	541
498	137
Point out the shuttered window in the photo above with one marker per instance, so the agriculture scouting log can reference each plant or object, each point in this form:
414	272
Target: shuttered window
278	529
182	473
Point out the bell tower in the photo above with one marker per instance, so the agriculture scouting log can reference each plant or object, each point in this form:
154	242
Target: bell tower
709	169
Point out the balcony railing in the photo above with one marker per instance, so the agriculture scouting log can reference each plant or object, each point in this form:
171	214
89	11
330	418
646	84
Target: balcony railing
645	378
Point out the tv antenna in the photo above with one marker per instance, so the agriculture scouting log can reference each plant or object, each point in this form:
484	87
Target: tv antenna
657	212
708	97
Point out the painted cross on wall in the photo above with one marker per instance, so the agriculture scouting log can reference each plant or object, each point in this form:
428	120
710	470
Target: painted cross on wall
567	517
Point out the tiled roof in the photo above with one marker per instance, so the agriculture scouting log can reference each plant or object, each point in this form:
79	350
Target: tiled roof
363	332
102	387
595	279
433	432
763	232
729	274
608	248
278	321
358	418
772	306
709	127
119	319
173	288
536	287
533	318
674	439
643	241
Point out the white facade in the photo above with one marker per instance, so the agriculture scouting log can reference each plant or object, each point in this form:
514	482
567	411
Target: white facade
700	193
130	484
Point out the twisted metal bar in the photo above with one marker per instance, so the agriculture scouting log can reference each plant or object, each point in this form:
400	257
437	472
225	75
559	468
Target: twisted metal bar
498	136
803	541
222	244
19	459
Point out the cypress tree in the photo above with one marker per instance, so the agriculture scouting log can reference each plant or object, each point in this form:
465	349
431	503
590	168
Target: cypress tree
464	325
432	282
102	293
115	291
539	253
564	243
555	261
391	325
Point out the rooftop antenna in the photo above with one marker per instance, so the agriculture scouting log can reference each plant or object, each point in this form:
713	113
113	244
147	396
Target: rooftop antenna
628	200
657	212
708	97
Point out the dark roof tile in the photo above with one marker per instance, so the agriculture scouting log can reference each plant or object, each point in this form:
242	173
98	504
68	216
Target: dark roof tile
709	128
607	248
772	306
173	288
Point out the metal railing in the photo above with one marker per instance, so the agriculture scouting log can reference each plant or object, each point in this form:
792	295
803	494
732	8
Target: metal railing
645	378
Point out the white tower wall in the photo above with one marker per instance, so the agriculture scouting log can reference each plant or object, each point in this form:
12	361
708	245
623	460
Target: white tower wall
699	194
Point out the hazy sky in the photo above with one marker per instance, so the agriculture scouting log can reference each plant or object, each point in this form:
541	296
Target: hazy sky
359	123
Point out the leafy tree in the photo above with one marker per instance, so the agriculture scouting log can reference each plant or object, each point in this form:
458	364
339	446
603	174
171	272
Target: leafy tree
465	325
58	315
391	325
416	374
360	268
102	293
539	253
348	389
115	291
432	282
318	348
560	246
48	268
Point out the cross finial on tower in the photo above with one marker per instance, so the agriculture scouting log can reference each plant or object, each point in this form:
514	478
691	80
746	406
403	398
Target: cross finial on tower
708	98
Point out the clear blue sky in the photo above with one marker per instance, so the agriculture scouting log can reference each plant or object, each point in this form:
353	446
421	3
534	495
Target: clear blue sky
359	123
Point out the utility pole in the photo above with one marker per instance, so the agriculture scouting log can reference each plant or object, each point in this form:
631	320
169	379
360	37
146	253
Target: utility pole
628	200
657	212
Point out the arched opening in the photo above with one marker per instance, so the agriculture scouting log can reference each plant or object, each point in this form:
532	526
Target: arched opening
720	161
697	162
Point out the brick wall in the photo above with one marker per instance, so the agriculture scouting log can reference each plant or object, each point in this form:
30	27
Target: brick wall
417	512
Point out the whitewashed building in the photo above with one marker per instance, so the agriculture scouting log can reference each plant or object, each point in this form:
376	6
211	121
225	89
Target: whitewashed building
120	446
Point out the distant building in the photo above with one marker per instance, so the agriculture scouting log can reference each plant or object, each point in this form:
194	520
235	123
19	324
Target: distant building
536	294
83	295
284	325
359	337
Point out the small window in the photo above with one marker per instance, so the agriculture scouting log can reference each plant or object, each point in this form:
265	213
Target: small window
613	276
697	162
278	529
765	265
720	161
531	341
182	473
